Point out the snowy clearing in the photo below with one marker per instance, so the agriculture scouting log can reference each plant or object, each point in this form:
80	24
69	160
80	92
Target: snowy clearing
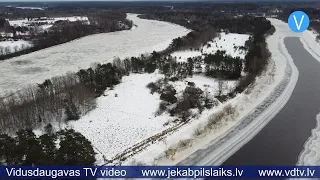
204	83
132	113
48	22
120	122
231	43
58	60
15	45
32	8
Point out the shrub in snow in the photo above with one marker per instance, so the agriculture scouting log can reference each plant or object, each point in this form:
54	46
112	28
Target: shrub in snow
168	94
174	79
162	107
169	97
229	109
190	99
191	83
194	95
183	144
170	153
198	131
153	87
208	101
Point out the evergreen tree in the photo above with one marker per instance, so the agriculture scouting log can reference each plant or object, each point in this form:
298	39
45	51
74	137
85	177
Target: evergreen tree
190	67
75	149
8	151
49	150
28	147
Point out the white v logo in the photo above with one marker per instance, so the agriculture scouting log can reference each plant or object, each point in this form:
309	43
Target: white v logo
301	20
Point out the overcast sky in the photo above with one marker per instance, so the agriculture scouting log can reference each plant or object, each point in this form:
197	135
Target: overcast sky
109	0
83	0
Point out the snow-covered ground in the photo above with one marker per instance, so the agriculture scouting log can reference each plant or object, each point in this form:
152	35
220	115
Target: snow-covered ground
228	42
254	109
126	115
81	53
32	8
47	21
15	45
205	83
120	122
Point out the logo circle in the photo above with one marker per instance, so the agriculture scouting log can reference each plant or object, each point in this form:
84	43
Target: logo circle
298	21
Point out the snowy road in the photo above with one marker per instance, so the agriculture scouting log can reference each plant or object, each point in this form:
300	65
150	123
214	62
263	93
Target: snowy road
149	35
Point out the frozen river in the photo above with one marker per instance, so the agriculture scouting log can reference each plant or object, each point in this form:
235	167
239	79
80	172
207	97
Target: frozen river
149	35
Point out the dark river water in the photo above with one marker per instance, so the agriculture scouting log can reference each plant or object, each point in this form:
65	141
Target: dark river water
282	139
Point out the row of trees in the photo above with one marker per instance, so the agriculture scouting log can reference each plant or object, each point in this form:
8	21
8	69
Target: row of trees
255	62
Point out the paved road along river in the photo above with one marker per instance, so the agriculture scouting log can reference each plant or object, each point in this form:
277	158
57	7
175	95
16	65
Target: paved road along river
282	140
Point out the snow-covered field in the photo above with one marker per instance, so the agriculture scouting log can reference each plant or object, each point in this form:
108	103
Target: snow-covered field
32	8
228	42
120	122
47	21
15	45
36	67
204	83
